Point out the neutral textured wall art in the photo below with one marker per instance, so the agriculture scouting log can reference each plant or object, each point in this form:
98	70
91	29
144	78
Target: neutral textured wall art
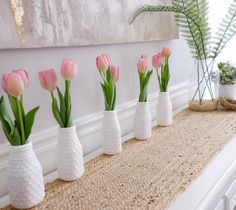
47	23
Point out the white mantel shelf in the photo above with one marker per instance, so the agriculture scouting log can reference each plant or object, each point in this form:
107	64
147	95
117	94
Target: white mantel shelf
215	189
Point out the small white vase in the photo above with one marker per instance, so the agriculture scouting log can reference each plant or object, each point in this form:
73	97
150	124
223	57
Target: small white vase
70	162
164	109
111	133
228	91
142	121
25	177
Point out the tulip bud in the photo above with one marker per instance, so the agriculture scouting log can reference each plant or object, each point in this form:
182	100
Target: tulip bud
142	65
145	57
69	69
115	73
48	79
157	60
4	81
14	85
23	75
108	58
166	51
102	63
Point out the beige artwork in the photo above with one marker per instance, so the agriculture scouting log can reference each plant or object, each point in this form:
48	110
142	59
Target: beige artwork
50	23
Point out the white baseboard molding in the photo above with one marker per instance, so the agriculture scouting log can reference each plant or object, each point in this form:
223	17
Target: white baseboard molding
89	131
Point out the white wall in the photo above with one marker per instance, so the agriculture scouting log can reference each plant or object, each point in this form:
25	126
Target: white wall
86	91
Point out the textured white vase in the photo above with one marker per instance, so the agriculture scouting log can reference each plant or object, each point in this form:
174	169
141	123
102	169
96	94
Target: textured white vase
70	162
227	91
164	109
25	177
142	121
111	133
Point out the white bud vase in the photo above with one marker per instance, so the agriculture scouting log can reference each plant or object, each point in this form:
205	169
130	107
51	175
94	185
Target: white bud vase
142	121
25	177
70	162
111	133
164	109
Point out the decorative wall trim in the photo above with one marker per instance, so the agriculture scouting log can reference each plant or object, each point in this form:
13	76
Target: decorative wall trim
89	131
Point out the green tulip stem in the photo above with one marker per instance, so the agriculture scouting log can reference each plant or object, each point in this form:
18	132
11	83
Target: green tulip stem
21	123
68	105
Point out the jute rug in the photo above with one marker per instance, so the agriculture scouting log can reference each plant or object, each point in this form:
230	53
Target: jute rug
149	174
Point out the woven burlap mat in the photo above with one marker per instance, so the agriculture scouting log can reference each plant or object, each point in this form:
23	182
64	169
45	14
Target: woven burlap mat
149	174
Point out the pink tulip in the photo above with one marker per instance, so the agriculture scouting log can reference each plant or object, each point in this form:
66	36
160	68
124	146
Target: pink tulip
108	58
145	57
115	72
23	75
166	51
14	84
157	60
102	63
48	79
69	69
142	65
4	81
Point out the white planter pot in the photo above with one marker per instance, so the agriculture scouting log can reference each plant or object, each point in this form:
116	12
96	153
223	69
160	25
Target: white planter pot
25	177
164	109
111	133
227	91
70	163
142	121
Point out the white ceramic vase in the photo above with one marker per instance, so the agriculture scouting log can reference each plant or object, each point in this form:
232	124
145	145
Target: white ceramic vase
111	133
25	177
142	121
228	91
164	109
70	162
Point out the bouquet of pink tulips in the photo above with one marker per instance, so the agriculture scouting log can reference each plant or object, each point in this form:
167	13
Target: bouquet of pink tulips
144	77
161	60
48	81
110	75
19	130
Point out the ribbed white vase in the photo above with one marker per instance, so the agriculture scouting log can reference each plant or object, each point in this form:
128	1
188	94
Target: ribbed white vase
25	177
228	91
142	121
164	109
70	162
111	133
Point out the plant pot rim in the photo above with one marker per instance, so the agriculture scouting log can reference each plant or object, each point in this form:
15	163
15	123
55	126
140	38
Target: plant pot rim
19	148
164	93
110	111
142	102
67	128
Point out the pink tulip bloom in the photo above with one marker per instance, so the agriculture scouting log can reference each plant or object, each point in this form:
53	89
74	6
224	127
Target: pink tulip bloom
69	69
142	65
145	57
102	63
157	60
4	81
115	73
108	58
14	84
166	51
48	79
23	75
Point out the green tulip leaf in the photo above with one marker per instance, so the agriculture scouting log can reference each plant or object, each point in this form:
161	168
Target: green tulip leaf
29	121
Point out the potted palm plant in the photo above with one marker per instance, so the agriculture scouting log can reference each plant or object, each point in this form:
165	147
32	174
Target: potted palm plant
192	18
